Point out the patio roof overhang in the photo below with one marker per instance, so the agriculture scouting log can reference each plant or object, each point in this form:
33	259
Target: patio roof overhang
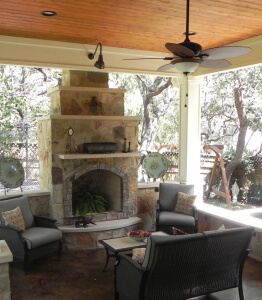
34	52
54	54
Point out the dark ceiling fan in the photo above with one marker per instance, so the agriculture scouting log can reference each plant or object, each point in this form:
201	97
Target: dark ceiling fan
189	56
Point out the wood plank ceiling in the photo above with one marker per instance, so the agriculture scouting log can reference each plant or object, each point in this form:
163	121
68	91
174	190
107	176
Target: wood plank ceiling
132	24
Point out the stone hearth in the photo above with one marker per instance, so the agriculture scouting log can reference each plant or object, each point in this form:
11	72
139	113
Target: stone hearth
62	158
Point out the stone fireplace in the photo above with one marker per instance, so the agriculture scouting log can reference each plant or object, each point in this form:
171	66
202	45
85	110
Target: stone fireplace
95	113
112	183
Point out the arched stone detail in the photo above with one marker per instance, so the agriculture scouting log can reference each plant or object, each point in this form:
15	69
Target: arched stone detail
87	168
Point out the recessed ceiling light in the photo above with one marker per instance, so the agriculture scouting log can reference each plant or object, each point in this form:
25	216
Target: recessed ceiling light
48	13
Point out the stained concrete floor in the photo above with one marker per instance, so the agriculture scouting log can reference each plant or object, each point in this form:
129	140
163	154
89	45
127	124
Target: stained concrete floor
79	276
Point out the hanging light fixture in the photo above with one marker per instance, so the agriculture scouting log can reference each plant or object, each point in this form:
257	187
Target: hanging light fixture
186	66
100	62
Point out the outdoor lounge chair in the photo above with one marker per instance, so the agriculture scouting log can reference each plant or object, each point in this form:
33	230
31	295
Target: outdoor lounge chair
167	217
39	237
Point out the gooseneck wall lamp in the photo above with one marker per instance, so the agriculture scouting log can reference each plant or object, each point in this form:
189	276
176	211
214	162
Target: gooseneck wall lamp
100	62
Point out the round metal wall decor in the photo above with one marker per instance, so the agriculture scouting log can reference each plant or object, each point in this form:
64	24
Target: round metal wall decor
155	165
12	173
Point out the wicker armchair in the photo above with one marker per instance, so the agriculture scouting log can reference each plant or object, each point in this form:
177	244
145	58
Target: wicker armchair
166	218
39	238
186	266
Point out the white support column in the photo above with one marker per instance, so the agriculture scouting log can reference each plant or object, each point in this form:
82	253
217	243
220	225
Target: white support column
189	130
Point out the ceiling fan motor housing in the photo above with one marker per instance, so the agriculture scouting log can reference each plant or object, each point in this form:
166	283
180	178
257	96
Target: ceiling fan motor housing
196	48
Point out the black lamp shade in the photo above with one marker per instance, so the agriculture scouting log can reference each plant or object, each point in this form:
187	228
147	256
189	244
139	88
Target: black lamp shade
100	62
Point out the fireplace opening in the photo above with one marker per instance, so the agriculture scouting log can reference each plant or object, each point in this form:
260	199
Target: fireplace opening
100	184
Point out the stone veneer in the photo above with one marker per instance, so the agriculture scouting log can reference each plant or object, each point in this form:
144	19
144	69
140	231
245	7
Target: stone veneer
87	238
72	106
5	257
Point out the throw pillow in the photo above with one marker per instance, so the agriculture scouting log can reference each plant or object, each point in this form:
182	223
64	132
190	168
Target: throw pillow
185	203
222	227
139	255
14	217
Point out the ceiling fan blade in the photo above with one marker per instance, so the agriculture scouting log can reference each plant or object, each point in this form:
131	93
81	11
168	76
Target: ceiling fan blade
225	52
165	67
215	64
179	50
164	58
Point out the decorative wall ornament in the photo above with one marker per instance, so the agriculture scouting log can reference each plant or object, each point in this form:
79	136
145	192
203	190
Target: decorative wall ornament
155	165
95	106
70	141
12	173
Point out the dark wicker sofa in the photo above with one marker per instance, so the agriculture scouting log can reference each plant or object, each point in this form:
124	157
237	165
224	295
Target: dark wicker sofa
181	267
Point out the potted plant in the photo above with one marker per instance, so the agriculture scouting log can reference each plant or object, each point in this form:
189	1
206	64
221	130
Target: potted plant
89	202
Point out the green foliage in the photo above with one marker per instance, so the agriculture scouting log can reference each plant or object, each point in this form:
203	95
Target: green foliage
220	124
87	202
23	94
160	108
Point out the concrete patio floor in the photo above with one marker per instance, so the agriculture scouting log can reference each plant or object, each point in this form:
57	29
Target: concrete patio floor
79	276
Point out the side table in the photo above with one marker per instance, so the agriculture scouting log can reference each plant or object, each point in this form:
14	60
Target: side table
121	244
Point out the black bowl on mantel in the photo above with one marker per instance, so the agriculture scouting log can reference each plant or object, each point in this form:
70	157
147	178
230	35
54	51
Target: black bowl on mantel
99	148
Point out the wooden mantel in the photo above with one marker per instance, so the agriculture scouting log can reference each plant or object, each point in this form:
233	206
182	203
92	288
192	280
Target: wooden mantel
98	155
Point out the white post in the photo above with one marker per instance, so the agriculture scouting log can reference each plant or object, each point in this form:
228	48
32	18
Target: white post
189	130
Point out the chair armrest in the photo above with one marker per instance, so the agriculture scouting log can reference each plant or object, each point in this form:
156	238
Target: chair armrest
157	214
12	235
10	227
195	212
129	276
45	222
195	215
157	205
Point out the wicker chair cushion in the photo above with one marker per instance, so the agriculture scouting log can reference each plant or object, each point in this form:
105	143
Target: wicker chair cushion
40	236
168	218
185	203
222	227
14	217
139	255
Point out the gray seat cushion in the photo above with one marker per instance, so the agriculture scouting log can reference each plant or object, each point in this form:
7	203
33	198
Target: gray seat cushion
38	236
168	218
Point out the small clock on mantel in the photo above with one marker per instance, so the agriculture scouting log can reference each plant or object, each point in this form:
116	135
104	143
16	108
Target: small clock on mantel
70	131
70	142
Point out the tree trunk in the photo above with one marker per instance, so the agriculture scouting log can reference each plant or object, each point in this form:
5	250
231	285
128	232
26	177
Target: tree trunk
148	93
243	125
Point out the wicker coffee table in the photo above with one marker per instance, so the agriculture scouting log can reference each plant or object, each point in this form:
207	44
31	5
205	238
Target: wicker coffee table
121	244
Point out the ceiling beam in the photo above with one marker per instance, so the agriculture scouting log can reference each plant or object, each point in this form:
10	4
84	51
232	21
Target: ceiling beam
42	53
